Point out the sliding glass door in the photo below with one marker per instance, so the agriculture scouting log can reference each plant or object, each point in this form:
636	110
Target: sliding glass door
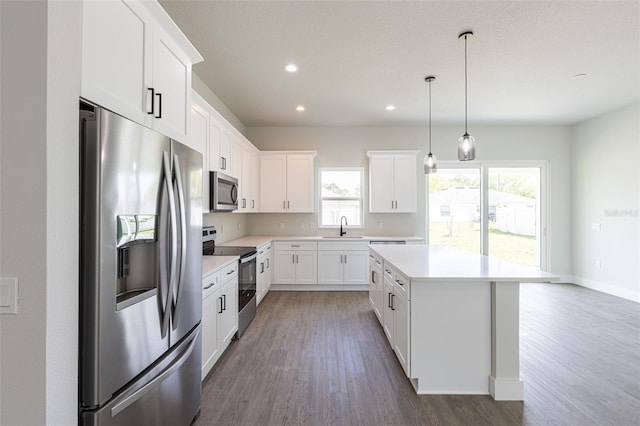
490	208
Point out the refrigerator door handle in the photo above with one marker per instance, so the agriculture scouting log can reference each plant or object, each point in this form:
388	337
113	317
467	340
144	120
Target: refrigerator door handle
179	285
168	371
174	249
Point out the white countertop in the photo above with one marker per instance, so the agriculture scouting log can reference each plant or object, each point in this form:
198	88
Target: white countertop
257	241
421	262
211	263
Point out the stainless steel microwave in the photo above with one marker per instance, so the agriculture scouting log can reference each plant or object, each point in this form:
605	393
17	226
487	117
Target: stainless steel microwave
223	192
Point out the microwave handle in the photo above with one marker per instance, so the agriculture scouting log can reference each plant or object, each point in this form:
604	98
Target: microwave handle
234	194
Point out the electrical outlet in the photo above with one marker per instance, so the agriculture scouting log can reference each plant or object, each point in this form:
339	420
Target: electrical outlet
302	225
380	225
598	264
238	226
222	229
282	226
595	226
312	225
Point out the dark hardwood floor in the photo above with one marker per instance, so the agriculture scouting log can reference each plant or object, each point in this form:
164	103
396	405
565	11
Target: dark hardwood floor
317	358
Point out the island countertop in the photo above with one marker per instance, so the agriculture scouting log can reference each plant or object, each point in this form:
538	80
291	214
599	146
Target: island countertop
424	262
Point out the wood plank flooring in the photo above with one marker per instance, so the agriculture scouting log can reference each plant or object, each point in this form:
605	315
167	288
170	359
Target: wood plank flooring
321	358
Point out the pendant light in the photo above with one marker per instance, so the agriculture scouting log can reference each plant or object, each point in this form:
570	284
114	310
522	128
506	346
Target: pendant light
466	143
430	165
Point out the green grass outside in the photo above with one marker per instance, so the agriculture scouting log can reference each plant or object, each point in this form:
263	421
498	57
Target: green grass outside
514	248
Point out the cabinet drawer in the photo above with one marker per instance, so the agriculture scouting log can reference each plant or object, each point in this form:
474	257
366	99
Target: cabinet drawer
289	245
343	246
402	284
229	271
210	283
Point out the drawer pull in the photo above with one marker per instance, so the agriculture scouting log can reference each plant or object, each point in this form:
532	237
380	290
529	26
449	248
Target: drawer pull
209	286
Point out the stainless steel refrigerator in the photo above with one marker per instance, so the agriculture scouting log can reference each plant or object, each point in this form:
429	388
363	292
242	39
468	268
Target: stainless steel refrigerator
140	275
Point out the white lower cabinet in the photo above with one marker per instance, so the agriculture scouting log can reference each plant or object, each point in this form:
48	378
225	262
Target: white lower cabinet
264	268
219	313
295	262
343	263
396	315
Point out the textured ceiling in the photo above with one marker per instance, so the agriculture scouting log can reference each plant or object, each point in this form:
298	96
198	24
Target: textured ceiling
355	57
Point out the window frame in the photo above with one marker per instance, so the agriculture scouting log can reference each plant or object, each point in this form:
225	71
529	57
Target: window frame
360	199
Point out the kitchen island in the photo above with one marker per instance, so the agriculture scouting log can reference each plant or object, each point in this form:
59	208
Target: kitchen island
452	317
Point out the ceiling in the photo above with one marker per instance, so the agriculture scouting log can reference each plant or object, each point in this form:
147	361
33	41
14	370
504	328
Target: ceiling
356	57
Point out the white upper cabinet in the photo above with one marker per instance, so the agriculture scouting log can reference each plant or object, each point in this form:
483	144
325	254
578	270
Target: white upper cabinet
392	181
137	63
249	180
287	182
199	140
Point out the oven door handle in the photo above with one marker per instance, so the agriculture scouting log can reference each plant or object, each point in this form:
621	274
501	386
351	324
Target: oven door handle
249	258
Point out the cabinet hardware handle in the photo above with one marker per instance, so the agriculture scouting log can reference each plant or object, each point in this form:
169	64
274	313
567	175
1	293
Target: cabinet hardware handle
391	204
297	259
220	311
373	277
288	204
224	302
153	99
345	259
231	272
400	282
262	267
244	203
389	300
392	307
293	258
253	204
295	245
268	263
284	204
159	95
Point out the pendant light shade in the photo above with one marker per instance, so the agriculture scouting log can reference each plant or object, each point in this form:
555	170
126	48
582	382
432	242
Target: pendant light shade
430	165
466	143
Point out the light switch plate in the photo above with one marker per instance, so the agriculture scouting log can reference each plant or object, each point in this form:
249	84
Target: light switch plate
8	295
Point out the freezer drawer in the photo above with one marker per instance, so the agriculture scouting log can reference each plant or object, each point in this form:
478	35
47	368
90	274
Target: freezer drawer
168	393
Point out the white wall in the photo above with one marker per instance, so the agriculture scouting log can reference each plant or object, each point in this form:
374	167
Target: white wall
347	146
213	100
40	54
229	226
605	183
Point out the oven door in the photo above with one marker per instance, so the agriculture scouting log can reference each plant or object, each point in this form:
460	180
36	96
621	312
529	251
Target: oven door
247	280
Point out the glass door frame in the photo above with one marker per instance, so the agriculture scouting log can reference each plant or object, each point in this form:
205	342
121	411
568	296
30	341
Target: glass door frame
484	167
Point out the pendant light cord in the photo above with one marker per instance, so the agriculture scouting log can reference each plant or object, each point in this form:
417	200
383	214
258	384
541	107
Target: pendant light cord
465	84
429	117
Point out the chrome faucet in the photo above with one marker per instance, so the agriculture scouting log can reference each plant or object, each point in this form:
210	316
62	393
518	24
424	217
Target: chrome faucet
345	222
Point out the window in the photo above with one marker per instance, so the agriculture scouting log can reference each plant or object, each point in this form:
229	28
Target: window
341	195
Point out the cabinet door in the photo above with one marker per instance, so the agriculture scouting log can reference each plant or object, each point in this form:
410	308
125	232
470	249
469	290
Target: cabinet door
116	59
236	159
273	184
381	198
376	289
284	267
225	151
300	186
199	140
269	273
210	343
172	84
401	331
261	279
306	267
254	176
215	160
330	267
404	183
356	267
387	315
228	319
244	183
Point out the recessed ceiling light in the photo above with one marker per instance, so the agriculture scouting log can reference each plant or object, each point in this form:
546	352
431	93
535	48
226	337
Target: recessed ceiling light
390	107
300	108
291	67
579	76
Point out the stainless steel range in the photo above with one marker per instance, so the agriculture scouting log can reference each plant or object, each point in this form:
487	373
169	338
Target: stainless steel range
247	276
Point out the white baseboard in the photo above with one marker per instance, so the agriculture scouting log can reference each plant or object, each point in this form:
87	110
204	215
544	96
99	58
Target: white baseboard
607	288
